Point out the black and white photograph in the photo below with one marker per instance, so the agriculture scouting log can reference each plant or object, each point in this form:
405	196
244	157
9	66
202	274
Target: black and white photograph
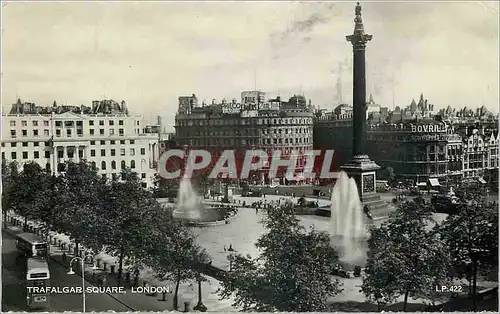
250	156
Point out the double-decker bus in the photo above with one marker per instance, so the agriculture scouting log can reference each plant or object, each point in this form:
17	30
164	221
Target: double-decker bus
31	245
37	283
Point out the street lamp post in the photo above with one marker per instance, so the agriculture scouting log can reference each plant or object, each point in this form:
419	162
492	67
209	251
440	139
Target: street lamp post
71	272
200	306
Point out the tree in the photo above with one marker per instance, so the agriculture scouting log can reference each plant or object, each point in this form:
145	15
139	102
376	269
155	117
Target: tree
173	254
293	273
388	174
25	193
79	210
472	234
405	256
10	175
163	187
49	199
126	203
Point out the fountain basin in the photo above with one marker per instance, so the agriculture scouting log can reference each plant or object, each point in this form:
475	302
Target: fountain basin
352	256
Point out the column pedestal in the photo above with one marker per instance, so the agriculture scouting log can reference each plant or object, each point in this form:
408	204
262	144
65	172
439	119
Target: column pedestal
363	170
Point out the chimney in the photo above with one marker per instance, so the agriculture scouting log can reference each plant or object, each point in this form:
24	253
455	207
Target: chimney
159	120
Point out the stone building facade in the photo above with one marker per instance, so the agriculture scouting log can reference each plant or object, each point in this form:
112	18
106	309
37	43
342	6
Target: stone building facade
252	123
105	135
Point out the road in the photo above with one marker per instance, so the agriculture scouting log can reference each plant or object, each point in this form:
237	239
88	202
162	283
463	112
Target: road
14	293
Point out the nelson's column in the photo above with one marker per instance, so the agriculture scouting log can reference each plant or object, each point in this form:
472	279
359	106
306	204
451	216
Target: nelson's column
361	168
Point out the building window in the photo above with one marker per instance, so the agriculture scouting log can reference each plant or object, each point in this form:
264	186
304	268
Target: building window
103	165
25	132
47	154
25	155
143	176
122	151
120	132
132	164
113	152
45	123
103	142
111	122
123	164
113	165
92	142
14	144
143	151
45	132
132	152
92	153
25	144
58	123
58	133
12	133
111	131
122	142
101	122
24	123
132	142
91	122
103	152
36	155
101	131
60	154
35	132
3	155
91	131
13	155
12	123
120	122
68	132
35	123
112	142
36	144
93	165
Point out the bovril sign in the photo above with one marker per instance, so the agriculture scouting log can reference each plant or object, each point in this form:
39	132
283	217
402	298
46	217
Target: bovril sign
429	128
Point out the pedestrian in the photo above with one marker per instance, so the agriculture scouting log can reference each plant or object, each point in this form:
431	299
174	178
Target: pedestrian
256	210
225	248
64	257
104	280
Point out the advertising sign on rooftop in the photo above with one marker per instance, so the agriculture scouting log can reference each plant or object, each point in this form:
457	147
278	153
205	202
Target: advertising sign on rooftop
275	106
231	108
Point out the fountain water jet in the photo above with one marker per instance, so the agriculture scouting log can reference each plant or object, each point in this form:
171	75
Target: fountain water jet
189	204
191	208
349	231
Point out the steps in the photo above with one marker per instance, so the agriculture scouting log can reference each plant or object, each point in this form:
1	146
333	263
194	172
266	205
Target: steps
379	208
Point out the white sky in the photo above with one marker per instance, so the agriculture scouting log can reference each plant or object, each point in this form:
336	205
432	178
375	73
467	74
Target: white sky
150	53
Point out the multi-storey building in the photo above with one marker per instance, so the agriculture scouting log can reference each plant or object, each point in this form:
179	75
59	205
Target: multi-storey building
416	144
105	135
253	123
480	153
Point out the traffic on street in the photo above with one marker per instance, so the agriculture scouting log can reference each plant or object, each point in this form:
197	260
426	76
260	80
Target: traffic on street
14	290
